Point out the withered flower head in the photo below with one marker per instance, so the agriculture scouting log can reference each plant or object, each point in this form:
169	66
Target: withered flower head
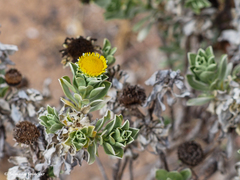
75	47
132	95
13	77
85	1
190	153
25	132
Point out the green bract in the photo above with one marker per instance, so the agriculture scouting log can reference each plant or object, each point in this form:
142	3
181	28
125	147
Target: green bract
81	137
197	5
115	136
51	120
162	174
87	91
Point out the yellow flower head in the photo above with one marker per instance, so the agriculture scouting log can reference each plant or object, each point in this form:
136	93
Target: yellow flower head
92	64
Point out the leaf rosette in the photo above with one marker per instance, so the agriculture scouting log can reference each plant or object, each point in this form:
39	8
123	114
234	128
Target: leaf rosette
51	120
116	136
81	138
203	65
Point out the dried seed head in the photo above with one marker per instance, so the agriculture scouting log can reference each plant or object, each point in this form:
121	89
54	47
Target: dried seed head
85	1
25	132
13	77
132	95
75	47
190	153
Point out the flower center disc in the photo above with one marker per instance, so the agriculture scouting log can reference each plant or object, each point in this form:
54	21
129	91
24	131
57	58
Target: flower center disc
92	64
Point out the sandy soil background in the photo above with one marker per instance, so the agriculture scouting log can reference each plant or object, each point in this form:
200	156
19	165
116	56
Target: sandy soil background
39	28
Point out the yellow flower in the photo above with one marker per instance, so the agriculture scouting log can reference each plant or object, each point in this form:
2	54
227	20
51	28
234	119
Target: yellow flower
92	64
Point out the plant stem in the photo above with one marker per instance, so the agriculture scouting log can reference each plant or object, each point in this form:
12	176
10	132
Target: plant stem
101	168
123	168
116	169
131	169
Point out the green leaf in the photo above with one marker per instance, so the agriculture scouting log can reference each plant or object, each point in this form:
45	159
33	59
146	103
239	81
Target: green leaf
67	81
92	150
108	149
102	121
222	68
3	91
113	50
186	174
161	174
110	60
102	92
198	85
174	175
68	103
66	91
199	101
96	91
209	51
80	81
191	58
236	71
102	3
106	44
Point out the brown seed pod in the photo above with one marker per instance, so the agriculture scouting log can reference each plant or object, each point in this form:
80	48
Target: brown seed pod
190	153
132	95
25	132
13	77
75	47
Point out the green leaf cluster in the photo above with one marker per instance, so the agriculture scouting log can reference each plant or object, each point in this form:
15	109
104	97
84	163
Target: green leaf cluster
207	74
84	91
197	5
51	120
120	9
115	135
162	174
108	52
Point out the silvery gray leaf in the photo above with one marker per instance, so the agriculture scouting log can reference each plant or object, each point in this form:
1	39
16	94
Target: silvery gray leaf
162	105
22	94
31	110
79	156
229	150
189	27
184	94
46	91
4	105
170	98
117	84
10	49
143	140
17	160
232	36
48	154
152	79
41	166
16	115
67	168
